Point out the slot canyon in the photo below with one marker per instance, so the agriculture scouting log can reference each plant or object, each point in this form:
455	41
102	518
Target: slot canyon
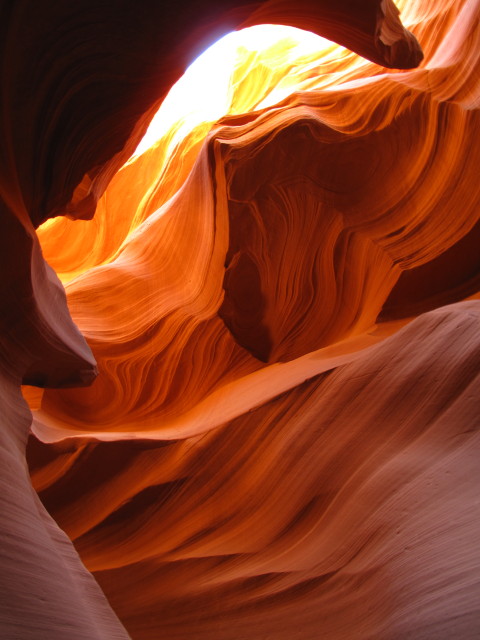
240	320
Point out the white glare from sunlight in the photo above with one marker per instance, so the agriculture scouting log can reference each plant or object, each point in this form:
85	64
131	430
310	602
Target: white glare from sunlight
204	93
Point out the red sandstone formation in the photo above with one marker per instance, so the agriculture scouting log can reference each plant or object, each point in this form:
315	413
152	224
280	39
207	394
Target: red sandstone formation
281	301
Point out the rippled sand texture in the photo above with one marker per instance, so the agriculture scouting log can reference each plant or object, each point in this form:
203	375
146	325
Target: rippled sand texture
282	301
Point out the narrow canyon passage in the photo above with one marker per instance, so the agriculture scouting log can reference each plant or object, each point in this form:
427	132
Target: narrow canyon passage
247	327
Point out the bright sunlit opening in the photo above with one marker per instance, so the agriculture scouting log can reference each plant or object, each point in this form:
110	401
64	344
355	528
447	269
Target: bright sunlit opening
274	55
246	71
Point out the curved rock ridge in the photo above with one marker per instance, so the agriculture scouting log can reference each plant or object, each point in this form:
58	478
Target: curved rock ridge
289	230
345	506
80	82
258	75
46	590
281	438
340	210
62	61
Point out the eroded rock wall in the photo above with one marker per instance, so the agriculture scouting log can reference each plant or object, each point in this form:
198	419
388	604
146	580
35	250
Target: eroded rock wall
282	437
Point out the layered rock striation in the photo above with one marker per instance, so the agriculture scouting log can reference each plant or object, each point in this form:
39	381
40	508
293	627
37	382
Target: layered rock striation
279	303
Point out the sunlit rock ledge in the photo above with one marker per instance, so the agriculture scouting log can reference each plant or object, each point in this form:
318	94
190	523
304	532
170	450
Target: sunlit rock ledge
256	370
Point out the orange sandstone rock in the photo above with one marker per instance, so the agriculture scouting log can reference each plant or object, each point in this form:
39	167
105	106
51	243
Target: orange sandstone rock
282	437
